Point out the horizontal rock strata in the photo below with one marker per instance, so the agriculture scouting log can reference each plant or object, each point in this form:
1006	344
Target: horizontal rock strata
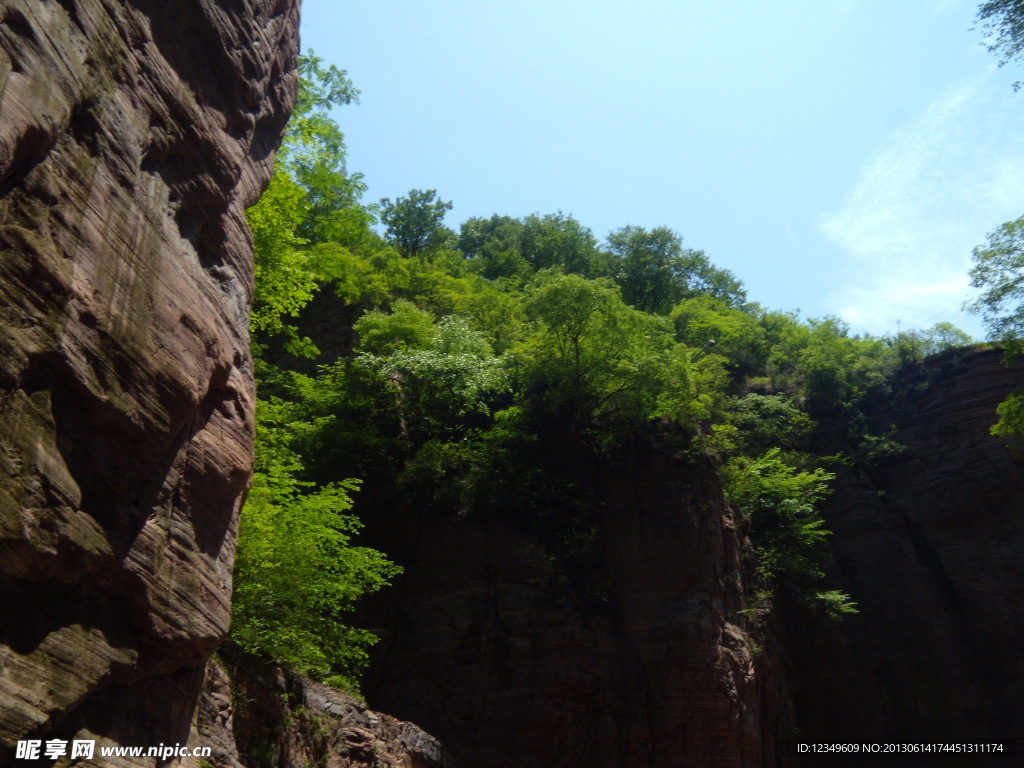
132	135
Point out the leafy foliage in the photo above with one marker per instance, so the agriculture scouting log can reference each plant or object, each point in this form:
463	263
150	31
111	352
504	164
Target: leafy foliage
780	502
655	272
483	373
596	360
297	573
1003	21
1011	416
414	223
999	272
448	376
284	284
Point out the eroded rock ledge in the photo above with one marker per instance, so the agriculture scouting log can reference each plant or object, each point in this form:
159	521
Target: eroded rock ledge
256	714
132	136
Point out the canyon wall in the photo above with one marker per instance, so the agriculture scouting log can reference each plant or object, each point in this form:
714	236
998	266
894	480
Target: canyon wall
930	544
662	663
257	714
132	136
643	660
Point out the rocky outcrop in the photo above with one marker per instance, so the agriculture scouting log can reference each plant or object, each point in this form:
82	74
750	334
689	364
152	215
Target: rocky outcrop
930	544
279	718
132	135
644	661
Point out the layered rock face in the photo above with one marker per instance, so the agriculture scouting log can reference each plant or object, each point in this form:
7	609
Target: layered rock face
669	671
132	135
655	670
930	544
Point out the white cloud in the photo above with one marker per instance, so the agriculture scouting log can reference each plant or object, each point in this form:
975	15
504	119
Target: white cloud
927	197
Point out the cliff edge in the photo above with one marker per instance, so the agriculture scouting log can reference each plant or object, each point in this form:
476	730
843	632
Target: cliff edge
929	542
132	136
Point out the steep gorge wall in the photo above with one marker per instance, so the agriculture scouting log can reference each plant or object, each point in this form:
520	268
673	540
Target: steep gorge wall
132	135
670	669
930	544
656	671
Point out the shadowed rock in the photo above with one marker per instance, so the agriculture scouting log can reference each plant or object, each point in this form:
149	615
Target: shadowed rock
930	544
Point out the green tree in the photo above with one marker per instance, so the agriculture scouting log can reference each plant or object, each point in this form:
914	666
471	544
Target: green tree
705	322
826	366
314	155
599	362
1003	22
454	376
503	247
557	240
655	272
297	573
494	246
433	376
764	422
999	272
647	267
284	282
780	502
405	327
942	337
310	199
415	223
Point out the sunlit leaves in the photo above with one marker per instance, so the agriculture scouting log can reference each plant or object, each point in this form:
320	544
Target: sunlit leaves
999	272
284	283
415	223
596	360
655	272
297	573
780	502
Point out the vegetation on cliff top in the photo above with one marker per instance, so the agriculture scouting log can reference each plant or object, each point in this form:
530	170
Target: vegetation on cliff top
999	265
464	367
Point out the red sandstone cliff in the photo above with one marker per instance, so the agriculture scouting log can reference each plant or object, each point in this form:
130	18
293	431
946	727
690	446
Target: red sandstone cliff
662	668
930	543
132	135
655	671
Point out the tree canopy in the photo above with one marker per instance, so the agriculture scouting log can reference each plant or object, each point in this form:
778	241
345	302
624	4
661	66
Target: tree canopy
999	265
1003	22
999	272
458	360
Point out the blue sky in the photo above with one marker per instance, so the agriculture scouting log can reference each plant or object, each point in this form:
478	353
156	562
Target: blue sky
840	156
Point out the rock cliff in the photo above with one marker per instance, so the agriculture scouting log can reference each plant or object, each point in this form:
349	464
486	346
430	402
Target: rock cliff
258	714
132	135
651	668
930	543
666	665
